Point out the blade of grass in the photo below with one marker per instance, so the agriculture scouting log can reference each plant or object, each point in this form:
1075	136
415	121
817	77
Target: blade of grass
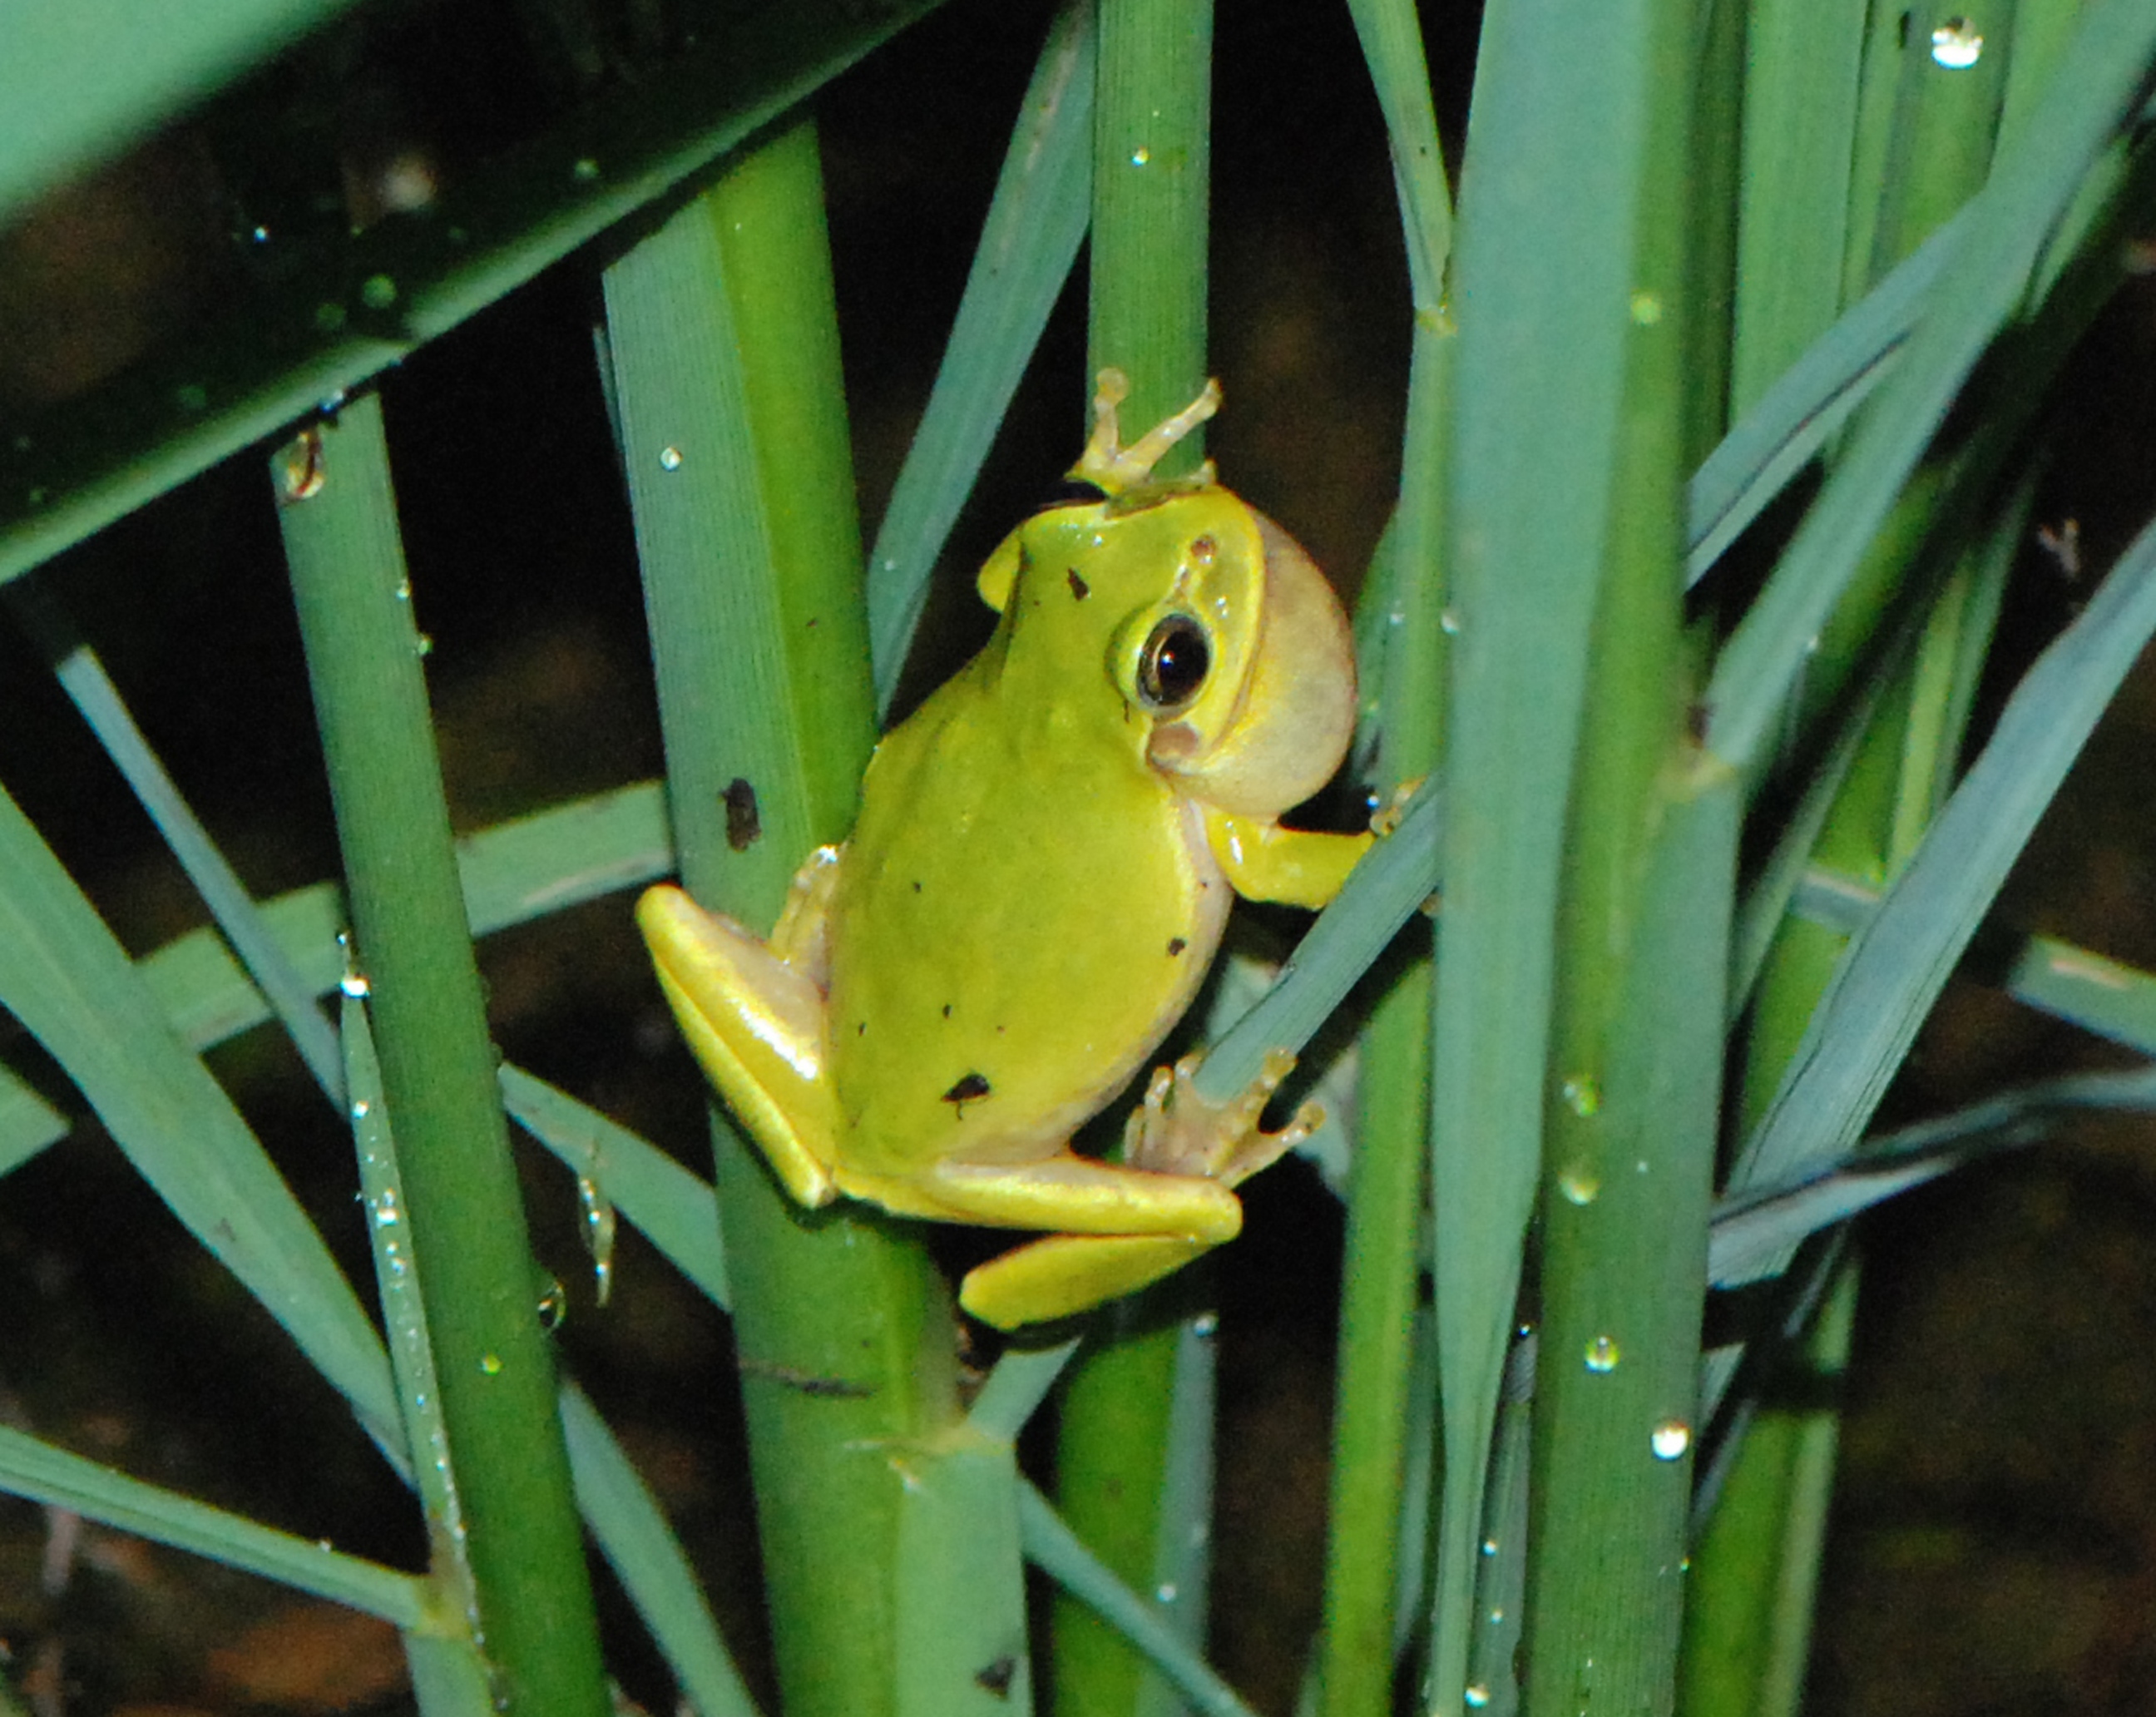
1058	1552
68	100
1036	222
45	1474
1896	964
65	978
463	1208
1544	258
325	327
84	677
632	1535
2096	86
510	874
1387	1196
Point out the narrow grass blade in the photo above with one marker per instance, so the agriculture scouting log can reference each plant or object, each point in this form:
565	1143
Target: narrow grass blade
1755	1230
1896	965
509	874
412	943
1043	201
44	1474
403	1310
2096	88
68	100
1183	1536
274	357
674	1208
65	978
1051	1546
625	1520
84	677
2102	995
1810	401
1016	1387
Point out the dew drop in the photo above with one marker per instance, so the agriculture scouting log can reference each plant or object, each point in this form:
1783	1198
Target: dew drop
378	293
1956	44
1477	1697
670	459
1580	1186
1165	1593
361	1108
1205	1325
598	1233
1489	1546
1447	622
586	169
553	1305
425	645
354	984
1602	1354
1582	1096
490	1364
1646	309
1140	156
1670	1439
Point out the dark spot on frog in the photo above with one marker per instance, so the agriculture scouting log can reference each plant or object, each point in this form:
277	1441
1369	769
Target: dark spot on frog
997	1677
916	888
972	1087
947	1009
861	1030
1176	944
1079	588
744	824
1202	552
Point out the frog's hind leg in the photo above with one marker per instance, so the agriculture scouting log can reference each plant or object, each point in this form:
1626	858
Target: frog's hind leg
757	1027
1067	1273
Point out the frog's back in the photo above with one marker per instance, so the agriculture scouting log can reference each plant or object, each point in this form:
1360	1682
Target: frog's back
1019	921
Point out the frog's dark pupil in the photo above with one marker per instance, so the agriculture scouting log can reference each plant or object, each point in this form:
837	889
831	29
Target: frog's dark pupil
1174	662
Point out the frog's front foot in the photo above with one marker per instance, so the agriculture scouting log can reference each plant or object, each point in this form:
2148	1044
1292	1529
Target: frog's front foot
1177	1131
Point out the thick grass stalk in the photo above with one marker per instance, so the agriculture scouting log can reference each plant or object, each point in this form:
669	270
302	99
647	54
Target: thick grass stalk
1637	1035
723	345
1544	280
1151	111
531	1589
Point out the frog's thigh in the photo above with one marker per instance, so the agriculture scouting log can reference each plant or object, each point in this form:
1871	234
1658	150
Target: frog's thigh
1065	1273
757	1026
1295	866
1075	1193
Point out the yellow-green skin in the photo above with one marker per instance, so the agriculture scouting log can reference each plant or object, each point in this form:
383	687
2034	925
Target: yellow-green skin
1039	875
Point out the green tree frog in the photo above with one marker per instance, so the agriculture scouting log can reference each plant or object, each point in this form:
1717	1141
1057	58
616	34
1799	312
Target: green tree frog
1038	877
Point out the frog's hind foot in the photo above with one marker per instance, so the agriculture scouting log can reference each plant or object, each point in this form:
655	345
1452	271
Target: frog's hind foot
1177	1131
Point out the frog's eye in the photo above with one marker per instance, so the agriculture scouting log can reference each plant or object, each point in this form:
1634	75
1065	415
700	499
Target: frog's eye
1173	665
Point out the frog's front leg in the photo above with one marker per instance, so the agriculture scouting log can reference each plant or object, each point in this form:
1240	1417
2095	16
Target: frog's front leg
754	1014
1177	1138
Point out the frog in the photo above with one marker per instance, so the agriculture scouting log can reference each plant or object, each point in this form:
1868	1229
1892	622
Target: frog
1038	878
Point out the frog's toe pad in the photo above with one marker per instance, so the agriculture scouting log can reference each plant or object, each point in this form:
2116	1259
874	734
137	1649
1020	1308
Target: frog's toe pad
1067	1273
1179	1132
